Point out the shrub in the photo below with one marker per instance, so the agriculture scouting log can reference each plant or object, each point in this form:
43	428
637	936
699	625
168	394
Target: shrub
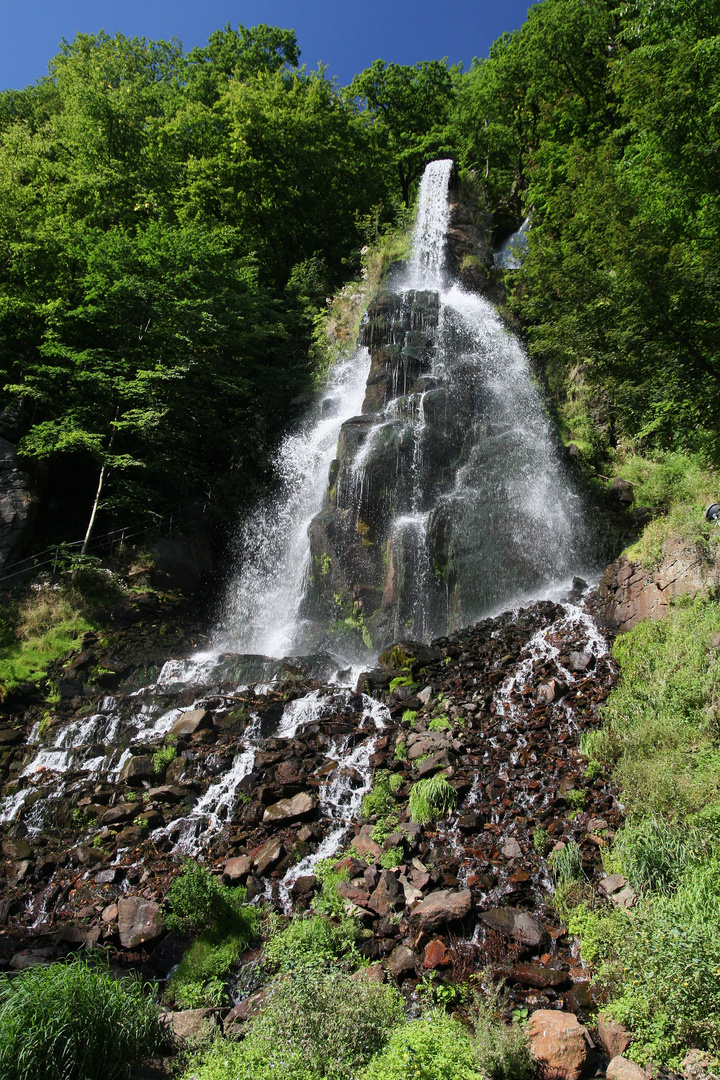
385	827
392	857
431	799
314	1025
328	900
199	901
501	1050
435	1047
73	1021
313	940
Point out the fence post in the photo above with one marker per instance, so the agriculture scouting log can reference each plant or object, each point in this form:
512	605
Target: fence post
57	549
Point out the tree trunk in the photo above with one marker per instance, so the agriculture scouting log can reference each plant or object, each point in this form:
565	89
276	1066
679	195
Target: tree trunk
91	522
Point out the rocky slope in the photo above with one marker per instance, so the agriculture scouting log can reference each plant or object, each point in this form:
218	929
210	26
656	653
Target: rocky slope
263	772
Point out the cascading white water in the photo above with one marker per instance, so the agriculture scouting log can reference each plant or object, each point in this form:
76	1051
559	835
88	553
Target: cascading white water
262	609
427	263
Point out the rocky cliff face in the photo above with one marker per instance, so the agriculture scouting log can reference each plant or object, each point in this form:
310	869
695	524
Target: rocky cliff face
629	592
18	503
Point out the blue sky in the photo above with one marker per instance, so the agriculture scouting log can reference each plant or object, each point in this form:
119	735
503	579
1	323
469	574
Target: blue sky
345	36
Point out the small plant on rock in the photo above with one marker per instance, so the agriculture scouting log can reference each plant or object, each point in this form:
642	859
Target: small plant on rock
408	716
394	856
162	758
431	799
439	723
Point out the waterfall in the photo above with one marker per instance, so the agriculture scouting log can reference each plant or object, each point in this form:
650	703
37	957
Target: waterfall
425	490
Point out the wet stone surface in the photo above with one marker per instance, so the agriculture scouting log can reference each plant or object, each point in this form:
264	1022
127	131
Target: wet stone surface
264	779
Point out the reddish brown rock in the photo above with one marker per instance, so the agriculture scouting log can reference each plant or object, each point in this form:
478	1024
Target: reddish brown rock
613	1036
622	1069
444	906
437	955
287	810
559	1043
388	896
236	870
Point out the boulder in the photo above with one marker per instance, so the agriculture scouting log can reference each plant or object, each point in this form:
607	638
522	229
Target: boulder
122	813
443	759
10	736
189	1023
441	907
401	962
364	845
518	925
139	921
268	855
191	721
236	870
15	848
388	896
622	1069
137	769
613	1036
167	793
559	1042
295	809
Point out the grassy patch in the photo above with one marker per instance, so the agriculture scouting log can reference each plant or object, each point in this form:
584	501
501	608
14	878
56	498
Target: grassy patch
73	1021
314	1024
313	940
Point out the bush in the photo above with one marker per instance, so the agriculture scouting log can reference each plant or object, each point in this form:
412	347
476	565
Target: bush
313	940
501	1050
435	1047
73	1021
314	1025
380	799
199	901
431	799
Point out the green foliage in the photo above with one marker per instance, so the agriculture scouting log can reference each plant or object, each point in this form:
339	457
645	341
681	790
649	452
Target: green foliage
198	900
385	827
439	723
313	940
380	799
401	750
653	853
162	758
431	799
435	1047
74	1021
566	864
541	840
660	724
402	680
576	798
329	901
408	716
600	930
314	1025
501	1049
394	856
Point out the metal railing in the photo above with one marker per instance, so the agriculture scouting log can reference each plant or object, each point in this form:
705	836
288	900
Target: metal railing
105	544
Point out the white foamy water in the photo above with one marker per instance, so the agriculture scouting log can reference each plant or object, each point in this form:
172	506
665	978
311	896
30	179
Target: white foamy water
262	609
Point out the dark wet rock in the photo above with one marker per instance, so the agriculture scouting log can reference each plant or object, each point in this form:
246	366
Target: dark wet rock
401	963
110	876
518	925
538	976
442	907
294	809
30	958
137	769
14	848
121	814
139	921
10	736
388	895
304	887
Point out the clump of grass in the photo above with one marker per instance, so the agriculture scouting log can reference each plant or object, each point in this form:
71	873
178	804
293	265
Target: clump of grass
501	1050
653	853
409	716
162	758
394	856
434	1047
566	864
678	486
74	1021
431	799
380	799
